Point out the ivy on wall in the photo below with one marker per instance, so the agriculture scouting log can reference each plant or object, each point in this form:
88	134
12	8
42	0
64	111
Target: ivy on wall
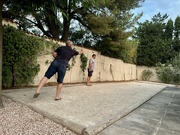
72	64
84	60
20	57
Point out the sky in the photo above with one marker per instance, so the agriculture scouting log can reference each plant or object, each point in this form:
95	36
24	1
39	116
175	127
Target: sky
153	7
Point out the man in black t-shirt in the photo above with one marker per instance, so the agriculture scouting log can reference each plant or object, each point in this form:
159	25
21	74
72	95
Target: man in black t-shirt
62	56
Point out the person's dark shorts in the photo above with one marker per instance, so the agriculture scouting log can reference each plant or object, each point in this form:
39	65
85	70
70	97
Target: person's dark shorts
58	67
89	73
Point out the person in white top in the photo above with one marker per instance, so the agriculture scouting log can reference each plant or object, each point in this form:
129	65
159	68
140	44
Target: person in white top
90	69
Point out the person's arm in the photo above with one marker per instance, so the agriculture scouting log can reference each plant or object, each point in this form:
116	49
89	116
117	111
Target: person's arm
55	53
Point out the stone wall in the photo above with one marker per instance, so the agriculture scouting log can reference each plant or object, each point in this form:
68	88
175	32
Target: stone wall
9	22
106	69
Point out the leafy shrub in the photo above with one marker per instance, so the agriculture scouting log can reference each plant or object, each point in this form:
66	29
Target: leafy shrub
176	65
20	53
165	74
176	78
170	73
84	60
146	75
19	57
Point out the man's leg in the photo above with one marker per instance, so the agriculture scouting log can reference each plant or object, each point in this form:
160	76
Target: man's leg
88	80
89	77
41	84
58	91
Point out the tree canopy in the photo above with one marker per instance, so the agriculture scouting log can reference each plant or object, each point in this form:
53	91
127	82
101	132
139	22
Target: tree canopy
158	42
105	25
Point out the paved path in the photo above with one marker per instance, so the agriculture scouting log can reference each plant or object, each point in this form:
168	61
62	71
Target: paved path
158	116
89	110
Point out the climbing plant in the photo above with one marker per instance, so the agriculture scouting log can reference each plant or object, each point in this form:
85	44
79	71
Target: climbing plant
84	60
72	64
20	53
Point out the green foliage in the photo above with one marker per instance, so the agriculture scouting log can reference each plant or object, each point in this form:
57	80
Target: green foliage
100	24
177	27
176	44
72	64
118	47
176	78
45	14
129	52
146	75
176	62
113	34
84	60
176	66
47	62
99	17
168	35
20	57
170	73
165	74
155	43
104	25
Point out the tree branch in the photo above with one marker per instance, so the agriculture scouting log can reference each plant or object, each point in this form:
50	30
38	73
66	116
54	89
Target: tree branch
81	21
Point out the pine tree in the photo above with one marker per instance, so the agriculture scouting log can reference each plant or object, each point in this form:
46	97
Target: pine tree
176	42
153	48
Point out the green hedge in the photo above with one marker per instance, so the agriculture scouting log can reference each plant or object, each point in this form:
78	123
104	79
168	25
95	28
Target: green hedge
20	53
170	73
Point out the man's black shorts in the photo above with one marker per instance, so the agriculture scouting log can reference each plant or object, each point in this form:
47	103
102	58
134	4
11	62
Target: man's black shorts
90	72
58	67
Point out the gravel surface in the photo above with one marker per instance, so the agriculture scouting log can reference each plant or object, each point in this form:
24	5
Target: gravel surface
17	119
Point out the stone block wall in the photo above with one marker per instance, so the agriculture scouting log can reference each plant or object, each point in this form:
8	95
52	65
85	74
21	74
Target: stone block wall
106	69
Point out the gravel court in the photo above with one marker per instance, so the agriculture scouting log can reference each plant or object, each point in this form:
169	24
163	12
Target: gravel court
88	109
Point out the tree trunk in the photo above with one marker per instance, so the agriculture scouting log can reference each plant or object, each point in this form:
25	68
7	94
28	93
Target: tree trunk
1	45
66	25
52	23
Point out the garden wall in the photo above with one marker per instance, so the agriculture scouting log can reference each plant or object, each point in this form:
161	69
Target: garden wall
106	69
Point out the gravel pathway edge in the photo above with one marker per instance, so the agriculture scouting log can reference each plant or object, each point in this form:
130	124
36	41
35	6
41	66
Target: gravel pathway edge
18	119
